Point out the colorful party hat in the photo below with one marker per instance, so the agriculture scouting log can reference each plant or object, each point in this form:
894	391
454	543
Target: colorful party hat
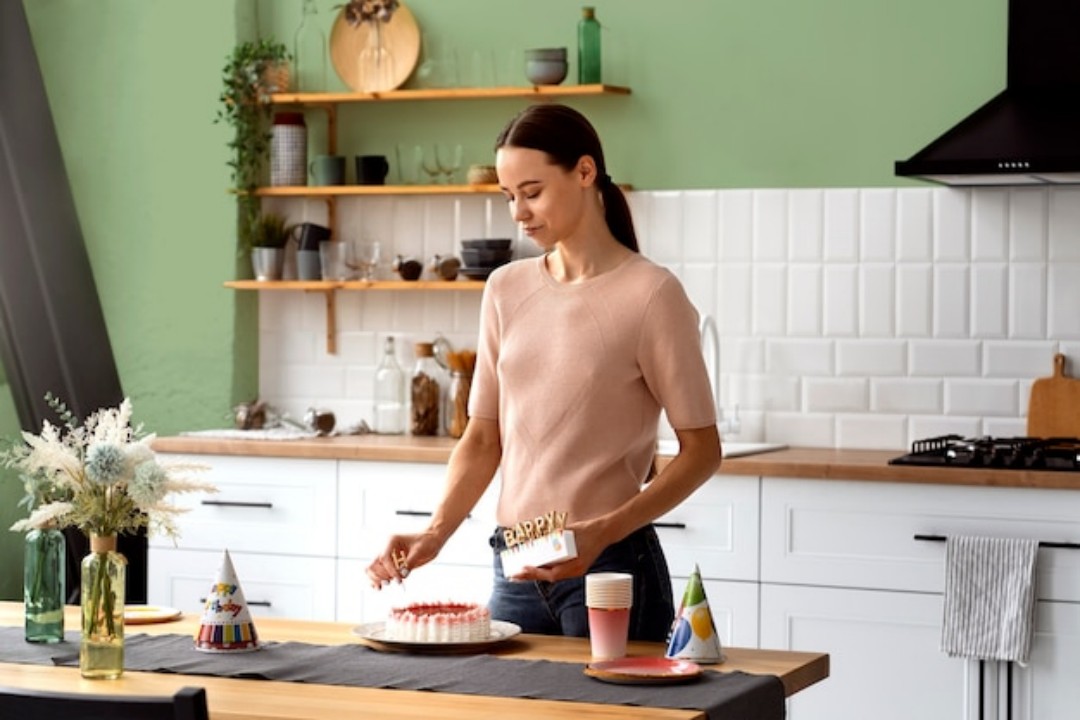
226	621
693	634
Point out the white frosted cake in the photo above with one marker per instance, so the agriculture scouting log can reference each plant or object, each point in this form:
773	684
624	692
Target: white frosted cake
439	623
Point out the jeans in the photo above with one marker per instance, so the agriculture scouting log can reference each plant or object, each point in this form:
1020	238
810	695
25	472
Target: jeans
558	608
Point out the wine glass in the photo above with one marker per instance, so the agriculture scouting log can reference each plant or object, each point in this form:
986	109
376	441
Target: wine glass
448	158
429	162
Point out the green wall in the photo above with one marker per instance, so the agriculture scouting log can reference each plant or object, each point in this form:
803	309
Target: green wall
768	93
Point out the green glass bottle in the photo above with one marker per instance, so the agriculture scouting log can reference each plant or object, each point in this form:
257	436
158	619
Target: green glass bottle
43	586
588	45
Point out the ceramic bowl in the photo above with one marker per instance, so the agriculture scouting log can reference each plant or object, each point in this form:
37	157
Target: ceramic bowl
545	72
487	243
479	258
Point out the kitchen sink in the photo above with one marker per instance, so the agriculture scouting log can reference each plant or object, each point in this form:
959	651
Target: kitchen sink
729	449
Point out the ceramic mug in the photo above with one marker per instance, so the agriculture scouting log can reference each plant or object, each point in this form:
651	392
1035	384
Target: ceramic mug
371	169
328	170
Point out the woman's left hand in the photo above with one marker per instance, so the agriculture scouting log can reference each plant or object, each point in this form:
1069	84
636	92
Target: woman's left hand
590	542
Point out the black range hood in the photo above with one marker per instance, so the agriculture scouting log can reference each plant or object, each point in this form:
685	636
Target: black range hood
1030	132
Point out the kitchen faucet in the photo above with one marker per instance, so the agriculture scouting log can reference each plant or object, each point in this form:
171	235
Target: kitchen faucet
710	335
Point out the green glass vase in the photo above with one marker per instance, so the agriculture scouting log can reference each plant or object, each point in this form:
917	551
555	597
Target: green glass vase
101	649
43	585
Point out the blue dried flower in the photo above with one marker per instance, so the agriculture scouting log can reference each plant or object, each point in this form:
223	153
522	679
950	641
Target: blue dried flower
105	464
147	488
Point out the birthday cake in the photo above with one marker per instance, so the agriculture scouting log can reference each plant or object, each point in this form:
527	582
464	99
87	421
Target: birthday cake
439	623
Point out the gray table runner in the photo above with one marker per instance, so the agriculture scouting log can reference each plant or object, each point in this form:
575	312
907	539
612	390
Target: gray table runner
723	696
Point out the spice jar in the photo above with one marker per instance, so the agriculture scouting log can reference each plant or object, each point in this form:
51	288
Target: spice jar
425	392
458	403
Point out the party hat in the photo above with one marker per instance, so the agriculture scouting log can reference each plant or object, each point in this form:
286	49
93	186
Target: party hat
226	624
693	634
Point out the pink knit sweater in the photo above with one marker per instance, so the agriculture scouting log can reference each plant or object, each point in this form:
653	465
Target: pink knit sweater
576	376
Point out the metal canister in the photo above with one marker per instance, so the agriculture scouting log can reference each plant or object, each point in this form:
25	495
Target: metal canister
288	149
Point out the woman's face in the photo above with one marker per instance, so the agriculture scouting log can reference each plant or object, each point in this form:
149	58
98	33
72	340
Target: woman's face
544	199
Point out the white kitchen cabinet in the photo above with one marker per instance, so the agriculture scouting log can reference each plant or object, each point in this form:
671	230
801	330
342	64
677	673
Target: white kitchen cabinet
841	572
274	585
884	661
1047	689
278	520
263	505
715	529
378	499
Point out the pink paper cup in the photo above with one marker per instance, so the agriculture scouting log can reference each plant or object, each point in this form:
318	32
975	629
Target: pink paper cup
608	631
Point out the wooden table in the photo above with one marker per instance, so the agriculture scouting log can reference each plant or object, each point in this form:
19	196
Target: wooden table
232	699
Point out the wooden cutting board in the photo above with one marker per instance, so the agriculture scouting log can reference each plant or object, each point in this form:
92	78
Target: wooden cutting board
1054	407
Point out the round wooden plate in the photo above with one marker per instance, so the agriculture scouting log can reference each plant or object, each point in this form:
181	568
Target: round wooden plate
147	614
400	36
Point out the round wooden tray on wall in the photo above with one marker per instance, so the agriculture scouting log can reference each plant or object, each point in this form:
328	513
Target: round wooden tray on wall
400	36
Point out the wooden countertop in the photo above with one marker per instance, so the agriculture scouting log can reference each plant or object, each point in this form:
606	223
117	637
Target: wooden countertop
241	700
811	463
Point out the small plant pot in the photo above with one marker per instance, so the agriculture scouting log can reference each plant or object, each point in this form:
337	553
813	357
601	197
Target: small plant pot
267	263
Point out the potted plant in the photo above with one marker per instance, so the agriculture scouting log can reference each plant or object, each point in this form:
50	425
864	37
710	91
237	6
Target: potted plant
252	72
269	235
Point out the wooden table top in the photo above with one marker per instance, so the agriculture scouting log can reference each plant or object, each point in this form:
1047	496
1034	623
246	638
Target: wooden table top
232	699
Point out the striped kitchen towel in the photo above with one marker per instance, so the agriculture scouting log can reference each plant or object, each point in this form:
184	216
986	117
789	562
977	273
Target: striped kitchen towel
989	598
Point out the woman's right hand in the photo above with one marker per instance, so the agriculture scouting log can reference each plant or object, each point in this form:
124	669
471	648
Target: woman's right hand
403	554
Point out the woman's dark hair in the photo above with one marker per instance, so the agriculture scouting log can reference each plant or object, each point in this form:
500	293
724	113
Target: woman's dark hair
566	136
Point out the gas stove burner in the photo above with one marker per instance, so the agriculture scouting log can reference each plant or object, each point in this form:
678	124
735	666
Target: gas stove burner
1018	453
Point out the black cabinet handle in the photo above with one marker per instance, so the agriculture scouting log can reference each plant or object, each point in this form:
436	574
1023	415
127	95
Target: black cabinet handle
421	513
1042	543
673	525
238	503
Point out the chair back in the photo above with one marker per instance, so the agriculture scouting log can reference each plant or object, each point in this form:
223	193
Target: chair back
188	703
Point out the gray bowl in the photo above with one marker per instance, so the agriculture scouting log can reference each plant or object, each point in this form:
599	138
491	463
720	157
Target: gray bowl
545	72
546	54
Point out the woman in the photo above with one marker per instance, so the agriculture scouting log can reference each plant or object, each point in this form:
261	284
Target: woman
579	351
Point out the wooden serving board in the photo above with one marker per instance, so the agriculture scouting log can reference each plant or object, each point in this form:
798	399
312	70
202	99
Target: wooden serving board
1054	407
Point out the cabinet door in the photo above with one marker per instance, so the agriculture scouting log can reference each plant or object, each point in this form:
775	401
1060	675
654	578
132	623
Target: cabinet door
358	602
734	608
274	585
715	529
378	499
263	505
1047	689
861	534
883	653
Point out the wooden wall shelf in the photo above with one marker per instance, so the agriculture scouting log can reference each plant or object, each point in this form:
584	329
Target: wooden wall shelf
346	190
483	93
329	290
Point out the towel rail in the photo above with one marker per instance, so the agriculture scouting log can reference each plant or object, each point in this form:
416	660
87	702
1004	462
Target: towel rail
1042	543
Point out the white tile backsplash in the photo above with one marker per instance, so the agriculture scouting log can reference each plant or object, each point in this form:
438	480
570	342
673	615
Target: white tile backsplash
860	318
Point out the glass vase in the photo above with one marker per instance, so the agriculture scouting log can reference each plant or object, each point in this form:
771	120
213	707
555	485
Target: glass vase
101	650
43	585
375	64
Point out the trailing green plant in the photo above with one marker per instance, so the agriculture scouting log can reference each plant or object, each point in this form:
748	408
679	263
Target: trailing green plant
248	81
271	230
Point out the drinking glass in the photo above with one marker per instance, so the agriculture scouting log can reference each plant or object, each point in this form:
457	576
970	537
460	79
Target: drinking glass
409	158
448	158
365	259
